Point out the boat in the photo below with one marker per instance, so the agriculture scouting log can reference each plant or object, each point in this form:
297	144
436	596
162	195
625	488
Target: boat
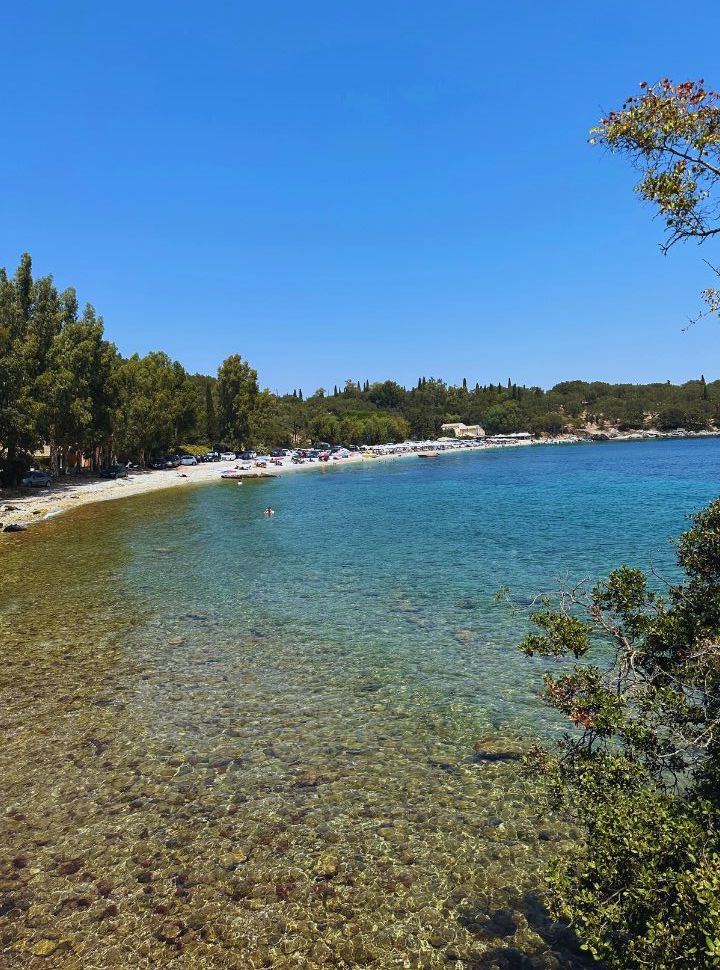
428	454
233	474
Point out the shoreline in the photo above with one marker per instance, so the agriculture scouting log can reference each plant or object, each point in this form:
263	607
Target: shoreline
25	508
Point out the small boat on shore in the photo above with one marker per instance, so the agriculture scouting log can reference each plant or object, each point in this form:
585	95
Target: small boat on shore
428	454
236	474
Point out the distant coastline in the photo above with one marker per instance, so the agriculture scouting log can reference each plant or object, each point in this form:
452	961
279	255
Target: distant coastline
25	507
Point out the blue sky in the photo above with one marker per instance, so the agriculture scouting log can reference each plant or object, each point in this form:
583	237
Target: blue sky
362	190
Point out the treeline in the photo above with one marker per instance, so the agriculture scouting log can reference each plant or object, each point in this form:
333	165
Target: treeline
64	386
508	408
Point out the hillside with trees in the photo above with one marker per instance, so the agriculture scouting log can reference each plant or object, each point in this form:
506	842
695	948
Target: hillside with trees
64	385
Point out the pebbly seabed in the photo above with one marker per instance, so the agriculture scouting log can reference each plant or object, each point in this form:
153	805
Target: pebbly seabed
238	742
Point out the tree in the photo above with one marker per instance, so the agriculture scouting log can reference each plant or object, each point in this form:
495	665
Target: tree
551	423
155	405
74	388
237	390
671	133
266	426
640	768
18	408
505	418
210	418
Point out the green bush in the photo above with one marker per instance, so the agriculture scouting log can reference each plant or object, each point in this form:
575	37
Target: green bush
195	450
639	769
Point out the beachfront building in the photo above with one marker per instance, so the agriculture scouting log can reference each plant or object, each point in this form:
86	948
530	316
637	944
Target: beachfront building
461	430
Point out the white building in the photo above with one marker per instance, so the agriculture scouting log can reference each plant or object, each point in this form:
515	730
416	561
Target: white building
461	430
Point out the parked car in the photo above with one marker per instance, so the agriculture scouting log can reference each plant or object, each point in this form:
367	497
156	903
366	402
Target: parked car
227	456
188	460
211	456
247	455
164	461
114	471
36	478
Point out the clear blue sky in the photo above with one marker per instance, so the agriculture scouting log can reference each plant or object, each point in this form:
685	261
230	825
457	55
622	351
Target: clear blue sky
366	190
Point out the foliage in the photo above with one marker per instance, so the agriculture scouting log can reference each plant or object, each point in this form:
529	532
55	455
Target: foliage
64	385
671	132
640	767
551	423
237	390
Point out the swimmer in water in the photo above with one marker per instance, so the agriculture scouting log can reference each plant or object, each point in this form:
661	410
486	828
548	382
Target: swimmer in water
269	512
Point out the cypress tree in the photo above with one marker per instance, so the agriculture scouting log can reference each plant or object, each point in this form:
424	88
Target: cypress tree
465	384
210	420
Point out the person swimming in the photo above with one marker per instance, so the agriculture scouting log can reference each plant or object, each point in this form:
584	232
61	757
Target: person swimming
269	512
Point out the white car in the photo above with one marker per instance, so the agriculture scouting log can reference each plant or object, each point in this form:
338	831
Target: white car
227	456
188	460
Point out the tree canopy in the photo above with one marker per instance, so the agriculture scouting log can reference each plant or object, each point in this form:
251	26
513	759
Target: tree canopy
640	767
671	133
65	386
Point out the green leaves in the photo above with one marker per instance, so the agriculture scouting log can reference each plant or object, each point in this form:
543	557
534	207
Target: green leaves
639	768
237	391
563	634
671	133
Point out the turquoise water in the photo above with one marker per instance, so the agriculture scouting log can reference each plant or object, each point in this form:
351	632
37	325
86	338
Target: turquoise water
239	742
390	570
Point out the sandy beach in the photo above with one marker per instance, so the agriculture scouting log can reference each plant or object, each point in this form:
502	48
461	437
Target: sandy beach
26	506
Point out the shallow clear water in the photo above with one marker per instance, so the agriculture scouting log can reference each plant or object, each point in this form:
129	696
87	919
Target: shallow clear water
239	742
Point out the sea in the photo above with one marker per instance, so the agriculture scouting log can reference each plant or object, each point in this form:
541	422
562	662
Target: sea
235	741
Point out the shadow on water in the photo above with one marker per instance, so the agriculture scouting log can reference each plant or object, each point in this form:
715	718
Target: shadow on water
527	913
